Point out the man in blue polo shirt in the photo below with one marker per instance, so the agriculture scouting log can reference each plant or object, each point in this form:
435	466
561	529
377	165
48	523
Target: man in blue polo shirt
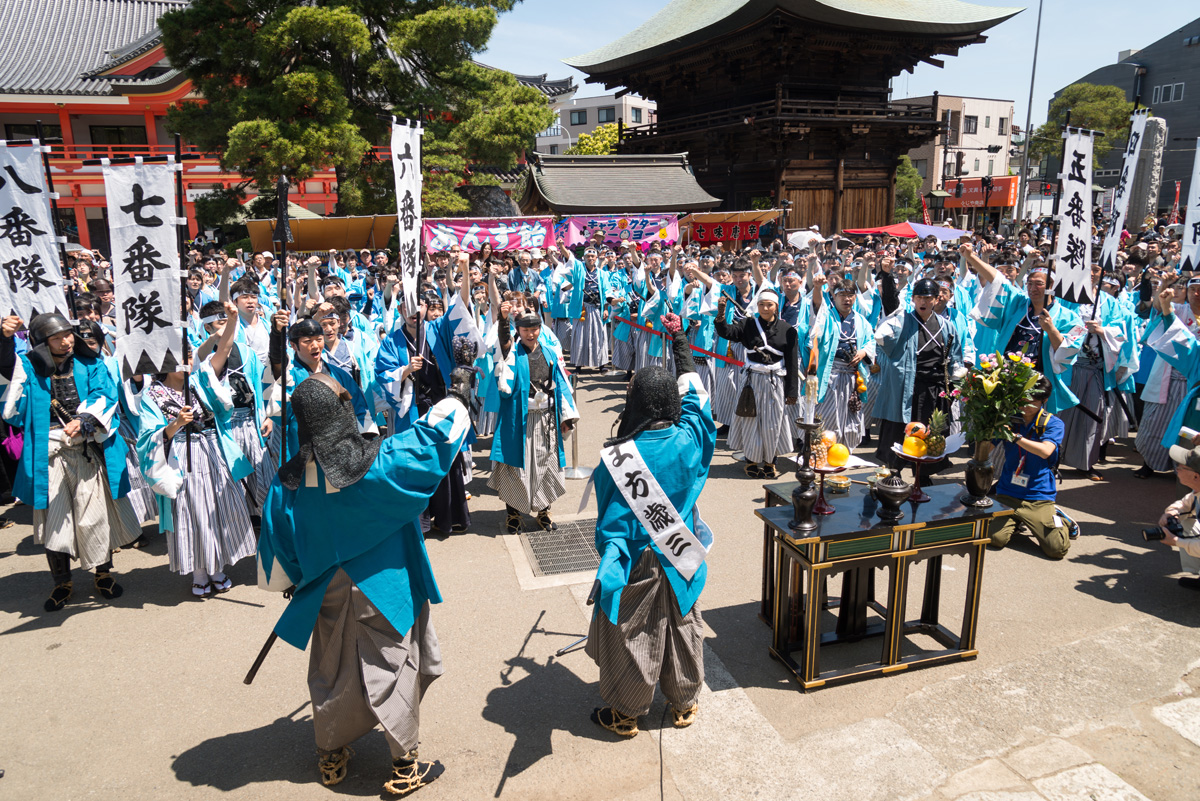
1027	483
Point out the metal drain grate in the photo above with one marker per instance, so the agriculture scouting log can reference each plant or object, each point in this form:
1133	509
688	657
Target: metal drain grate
571	549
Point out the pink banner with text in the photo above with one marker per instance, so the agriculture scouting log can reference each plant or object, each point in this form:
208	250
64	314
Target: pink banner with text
636	229
502	233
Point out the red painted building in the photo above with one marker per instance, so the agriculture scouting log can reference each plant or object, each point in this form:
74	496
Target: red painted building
94	73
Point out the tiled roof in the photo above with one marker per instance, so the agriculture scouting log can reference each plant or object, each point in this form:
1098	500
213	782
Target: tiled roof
551	89
617	184
683	23
50	46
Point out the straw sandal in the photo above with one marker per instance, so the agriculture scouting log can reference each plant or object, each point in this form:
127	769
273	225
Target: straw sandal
59	597
107	586
615	722
333	765
409	775
682	718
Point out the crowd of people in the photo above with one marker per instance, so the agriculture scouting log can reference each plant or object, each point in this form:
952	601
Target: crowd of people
313	392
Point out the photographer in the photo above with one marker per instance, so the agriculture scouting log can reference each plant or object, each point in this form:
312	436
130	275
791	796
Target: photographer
1027	482
1179	524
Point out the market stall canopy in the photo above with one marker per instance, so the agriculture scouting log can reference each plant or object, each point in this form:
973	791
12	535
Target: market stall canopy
907	230
683	23
637	184
316	233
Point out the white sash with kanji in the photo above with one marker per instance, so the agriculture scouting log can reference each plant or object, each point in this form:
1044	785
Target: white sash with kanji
654	510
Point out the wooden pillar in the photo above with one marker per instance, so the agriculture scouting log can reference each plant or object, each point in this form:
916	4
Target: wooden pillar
151	129
839	179
891	197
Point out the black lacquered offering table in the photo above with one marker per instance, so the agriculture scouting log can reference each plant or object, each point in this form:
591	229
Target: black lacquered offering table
853	541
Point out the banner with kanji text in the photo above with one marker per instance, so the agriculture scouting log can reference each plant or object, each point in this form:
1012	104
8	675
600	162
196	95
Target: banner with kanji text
502	233
145	257
32	280
406	166
1112	237
724	231
616	229
1189	258
1073	247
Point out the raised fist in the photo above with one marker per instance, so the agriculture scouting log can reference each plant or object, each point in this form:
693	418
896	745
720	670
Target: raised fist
671	323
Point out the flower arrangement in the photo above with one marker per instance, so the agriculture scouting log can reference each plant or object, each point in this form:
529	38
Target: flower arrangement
998	388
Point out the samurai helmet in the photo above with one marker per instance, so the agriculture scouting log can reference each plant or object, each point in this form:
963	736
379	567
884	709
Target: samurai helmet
328	429
47	325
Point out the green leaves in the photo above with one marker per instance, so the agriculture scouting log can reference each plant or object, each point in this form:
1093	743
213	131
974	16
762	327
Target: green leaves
599	142
1100	108
300	88
908	186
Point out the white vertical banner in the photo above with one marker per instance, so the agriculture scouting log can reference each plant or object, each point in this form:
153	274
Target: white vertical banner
406	164
31	279
1112	237
145	256
1190	257
1073	248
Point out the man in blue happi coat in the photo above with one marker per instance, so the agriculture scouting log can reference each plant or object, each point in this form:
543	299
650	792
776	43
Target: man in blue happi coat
340	532
647	627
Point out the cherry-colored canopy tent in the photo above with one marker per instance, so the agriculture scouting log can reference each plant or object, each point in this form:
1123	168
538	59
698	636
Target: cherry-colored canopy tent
909	230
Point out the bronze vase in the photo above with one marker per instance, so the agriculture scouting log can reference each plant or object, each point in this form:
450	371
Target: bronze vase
979	477
804	496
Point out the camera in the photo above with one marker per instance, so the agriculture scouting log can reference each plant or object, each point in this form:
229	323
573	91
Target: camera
1154	534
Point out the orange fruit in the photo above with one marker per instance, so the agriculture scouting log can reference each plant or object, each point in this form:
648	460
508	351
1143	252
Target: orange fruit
914	446
838	455
915	429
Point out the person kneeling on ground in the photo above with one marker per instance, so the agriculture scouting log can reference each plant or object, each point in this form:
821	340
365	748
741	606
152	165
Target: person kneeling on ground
1027	483
1187	468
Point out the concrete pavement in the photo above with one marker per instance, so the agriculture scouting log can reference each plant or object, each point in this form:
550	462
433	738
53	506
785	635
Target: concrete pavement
1085	686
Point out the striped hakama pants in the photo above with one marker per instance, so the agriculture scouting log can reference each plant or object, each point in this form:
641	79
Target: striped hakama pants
622	353
1083	436
212	523
704	371
1155	419
763	437
1117	424
563	326
245	433
652	643
81	518
727	384
834	409
589	343
363	673
540	483
642	357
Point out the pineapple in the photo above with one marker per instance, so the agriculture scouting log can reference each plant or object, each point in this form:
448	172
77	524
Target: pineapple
935	441
820	449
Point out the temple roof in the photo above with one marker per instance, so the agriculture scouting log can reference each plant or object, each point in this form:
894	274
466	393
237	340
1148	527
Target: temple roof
686	23
615	184
57	46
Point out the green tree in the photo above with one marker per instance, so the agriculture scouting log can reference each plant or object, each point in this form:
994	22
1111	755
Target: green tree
299	88
908	186
600	142
1100	108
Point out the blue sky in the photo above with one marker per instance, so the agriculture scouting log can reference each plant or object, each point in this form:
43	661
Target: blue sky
534	37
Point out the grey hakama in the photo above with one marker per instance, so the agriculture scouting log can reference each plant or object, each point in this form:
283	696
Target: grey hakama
211	521
622	352
1083	436
363	673
703	365
485	426
834	410
763	437
727	385
540	483
589	343
141	496
81	518
244	429
1155	419
642	357
563	328
1116	423
652	643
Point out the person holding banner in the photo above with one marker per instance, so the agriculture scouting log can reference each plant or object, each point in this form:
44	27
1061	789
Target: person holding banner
72	470
646	628
1172	333
845	343
536	410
